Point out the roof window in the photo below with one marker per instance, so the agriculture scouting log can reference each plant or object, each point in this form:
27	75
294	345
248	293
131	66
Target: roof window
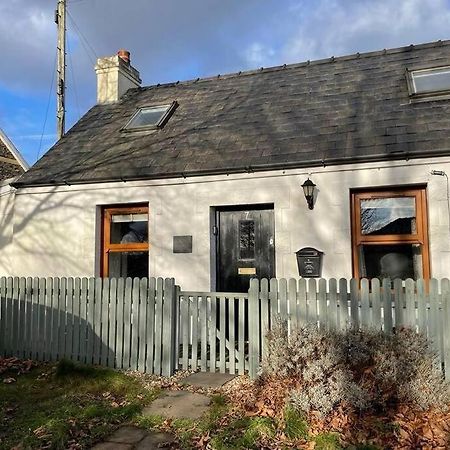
429	82
150	117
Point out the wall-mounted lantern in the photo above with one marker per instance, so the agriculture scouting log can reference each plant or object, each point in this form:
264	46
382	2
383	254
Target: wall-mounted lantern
308	189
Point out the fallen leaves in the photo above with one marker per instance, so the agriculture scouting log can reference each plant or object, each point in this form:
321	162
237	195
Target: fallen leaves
16	366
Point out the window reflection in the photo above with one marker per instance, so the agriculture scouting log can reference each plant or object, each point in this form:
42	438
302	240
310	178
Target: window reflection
391	215
246	239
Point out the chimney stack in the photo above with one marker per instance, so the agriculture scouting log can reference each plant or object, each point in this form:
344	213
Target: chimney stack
115	75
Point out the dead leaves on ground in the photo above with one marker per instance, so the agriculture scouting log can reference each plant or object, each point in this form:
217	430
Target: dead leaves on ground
15	365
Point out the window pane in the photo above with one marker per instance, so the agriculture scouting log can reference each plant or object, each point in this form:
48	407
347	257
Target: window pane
129	228
246	239
128	264
393	215
432	80
148	116
391	261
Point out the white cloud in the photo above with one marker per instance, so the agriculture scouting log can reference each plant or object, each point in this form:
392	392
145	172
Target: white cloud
258	55
336	27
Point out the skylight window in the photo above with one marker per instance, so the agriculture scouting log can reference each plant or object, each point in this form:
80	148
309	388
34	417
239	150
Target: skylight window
430	82
150	117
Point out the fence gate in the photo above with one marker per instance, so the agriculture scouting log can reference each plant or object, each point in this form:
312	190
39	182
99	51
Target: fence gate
213	331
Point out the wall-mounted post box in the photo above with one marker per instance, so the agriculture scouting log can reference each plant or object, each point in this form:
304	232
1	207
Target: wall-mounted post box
309	261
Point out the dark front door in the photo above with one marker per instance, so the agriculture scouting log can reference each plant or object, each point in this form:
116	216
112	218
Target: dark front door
245	246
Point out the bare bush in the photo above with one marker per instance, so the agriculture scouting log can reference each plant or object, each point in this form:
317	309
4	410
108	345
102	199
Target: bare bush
360	369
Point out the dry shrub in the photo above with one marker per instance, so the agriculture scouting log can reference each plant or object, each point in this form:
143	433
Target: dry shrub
358	369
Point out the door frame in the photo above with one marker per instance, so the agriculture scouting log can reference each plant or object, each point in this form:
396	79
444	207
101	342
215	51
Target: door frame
215	232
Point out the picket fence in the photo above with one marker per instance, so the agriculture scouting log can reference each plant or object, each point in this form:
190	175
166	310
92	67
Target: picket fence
151	325
120	323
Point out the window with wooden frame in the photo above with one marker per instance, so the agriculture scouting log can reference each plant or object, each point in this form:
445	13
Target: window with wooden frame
390	234
125	241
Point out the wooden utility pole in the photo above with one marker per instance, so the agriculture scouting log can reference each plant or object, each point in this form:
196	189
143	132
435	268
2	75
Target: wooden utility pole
60	19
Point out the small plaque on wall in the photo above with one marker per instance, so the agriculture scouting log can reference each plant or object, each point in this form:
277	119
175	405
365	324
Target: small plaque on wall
182	244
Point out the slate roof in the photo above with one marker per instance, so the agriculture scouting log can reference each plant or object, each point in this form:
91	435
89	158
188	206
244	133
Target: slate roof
338	110
12	163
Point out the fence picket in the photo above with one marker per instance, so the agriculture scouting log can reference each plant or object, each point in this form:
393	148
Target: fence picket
28	312
195	317
158	328
97	324
231	338
241	332
291	303
21	319
253	325
365	306
410	301
322	301
69	318
76	319
375	297
343	304
15	316
213	334
203	333
302	303
387	306
149	367
354	303
185	320
265	313
143	296
83	318
333	312
105	323
48	295
273	297
399	304
282	299
111	344
222	320
134	328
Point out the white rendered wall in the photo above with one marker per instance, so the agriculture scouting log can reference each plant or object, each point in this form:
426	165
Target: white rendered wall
55	231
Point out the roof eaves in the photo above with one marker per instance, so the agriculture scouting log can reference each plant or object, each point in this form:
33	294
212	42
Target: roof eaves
14	151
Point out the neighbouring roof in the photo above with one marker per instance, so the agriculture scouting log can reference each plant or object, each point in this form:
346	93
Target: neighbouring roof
12	163
339	110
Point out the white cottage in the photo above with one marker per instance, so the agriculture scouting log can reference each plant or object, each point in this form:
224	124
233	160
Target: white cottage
204	180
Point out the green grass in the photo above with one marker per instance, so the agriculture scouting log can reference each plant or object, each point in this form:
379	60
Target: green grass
295	426
76	402
327	441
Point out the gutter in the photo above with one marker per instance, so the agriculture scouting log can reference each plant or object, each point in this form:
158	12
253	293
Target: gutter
246	169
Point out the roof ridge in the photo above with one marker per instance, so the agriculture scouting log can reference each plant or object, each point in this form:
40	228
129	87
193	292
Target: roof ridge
329	60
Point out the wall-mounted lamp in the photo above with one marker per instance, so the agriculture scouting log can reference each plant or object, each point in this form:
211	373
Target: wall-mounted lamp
308	189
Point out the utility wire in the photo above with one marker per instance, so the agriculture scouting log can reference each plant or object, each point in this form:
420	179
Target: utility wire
72	72
48	107
84	41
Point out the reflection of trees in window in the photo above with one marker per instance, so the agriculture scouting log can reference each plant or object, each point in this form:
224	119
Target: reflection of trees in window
246	239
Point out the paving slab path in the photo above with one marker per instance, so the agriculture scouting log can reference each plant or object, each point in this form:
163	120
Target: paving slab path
129	437
170	404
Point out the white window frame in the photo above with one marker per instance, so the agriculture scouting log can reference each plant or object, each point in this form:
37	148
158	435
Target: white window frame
428	95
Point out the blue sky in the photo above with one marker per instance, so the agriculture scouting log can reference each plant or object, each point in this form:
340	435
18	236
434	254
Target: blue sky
172	40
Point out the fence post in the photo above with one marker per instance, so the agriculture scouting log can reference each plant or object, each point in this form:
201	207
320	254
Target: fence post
253	328
169	325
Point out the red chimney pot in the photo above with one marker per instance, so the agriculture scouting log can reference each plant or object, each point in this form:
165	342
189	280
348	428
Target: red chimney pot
125	55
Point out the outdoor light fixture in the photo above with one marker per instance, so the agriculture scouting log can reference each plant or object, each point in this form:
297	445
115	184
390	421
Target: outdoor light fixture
308	189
